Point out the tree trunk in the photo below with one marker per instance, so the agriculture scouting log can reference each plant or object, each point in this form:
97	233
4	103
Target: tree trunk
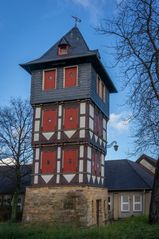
14	206
154	205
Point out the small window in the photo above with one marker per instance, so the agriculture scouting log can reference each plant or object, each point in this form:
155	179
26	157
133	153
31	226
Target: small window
70	76
49	79
125	203
109	203
137	203
63	50
100	88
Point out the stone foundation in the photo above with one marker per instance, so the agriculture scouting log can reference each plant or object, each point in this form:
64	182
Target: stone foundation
81	206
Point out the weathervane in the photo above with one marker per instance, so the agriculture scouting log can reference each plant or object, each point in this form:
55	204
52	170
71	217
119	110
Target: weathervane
76	19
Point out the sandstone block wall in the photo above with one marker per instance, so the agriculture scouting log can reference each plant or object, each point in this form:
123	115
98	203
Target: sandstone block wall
82	206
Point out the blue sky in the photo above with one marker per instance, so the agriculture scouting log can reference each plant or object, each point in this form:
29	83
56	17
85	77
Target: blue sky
29	27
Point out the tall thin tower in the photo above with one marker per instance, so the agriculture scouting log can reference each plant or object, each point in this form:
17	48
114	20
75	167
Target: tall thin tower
70	97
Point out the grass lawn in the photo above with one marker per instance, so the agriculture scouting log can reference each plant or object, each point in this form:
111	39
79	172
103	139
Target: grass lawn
131	228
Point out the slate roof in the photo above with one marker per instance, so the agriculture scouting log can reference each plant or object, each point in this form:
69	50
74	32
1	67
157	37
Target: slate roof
149	159
122	175
77	49
7	179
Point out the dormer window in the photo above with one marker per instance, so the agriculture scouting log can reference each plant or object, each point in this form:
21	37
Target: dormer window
63	50
63	47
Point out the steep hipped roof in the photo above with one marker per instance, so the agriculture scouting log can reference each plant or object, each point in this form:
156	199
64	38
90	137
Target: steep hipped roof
8	180
127	175
77	49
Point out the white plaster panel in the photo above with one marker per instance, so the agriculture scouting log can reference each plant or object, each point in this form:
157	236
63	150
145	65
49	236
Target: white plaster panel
36	179
48	135
59	152
94	178
81	165
82	108
82	122
37	153
59	124
102	159
104	135
81	151
69	177
69	133
80	178
102	180
102	171
91	124
58	166
37	112
89	152
36	170
58	178
60	110
88	166
104	124
88	177
36	137
36	125
91	111
59	135
91	134
47	178
82	133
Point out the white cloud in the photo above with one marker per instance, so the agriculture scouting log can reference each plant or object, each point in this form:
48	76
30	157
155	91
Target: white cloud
119	122
93	7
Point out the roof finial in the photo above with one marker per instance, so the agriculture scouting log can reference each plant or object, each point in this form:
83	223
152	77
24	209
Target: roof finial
76	19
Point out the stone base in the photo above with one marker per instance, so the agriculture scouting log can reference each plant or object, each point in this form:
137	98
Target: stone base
81	206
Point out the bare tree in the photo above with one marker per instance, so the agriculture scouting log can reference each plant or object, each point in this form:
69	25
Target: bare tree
15	143
136	32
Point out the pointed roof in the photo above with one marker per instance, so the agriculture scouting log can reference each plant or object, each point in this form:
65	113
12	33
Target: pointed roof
77	44
78	49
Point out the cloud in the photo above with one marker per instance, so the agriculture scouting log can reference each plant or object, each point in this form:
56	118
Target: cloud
119	122
93	8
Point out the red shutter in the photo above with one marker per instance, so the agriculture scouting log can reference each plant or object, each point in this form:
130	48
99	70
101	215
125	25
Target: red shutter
98	164
70	160
103	92
49	79
71	76
49	120
96	123
48	162
94	163
71	118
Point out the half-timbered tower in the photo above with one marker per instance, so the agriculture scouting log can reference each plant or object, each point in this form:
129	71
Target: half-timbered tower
70	97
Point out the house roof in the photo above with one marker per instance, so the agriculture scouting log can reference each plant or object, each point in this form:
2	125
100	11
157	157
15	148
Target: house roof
122	175
78	49
8	180
149	159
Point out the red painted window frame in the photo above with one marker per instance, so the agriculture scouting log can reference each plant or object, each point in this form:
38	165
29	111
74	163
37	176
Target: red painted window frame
66	168
50	86
65	76
52	167
44	128
65	118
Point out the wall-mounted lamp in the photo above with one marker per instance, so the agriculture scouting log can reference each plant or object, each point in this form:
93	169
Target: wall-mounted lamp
114	143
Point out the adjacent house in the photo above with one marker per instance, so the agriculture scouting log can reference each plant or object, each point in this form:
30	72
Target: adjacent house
147	162
129	188
7	186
